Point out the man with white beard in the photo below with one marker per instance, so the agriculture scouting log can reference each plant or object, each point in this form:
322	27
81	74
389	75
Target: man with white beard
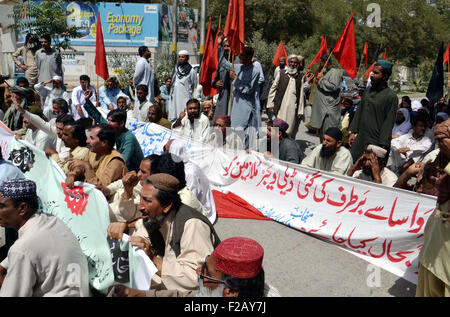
234	269
48	94
284	95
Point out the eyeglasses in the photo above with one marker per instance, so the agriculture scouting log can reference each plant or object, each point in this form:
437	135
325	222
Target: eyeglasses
205	268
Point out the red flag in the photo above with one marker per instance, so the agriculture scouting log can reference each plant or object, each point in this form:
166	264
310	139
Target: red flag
101	67
235	26
447	55
385	54
281	52
209	64
367	73
322	51
366	48
345	51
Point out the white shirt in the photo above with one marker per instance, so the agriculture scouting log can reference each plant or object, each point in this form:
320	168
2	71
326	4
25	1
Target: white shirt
339	163
417	148
199	131
40	139
78	99
143	75
388	177
140	111
48	96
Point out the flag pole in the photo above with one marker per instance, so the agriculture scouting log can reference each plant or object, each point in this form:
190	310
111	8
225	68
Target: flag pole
231	84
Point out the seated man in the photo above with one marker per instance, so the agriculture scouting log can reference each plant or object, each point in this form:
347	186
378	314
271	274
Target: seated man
78	97
53	128
409	148
223	137
155	115
234	269
288	149
330	156
126	143
122	101
141	105
37	137
195	124
124	195
180	237
208	109
108	92
49	94
74	137
429	171
371	166
39	263
102	165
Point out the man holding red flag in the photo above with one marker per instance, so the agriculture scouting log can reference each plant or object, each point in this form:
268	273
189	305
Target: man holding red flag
222	83
326	110
279	59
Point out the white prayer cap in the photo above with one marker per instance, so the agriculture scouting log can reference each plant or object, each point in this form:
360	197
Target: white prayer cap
56	77
183	52
378	151
121	94
416	105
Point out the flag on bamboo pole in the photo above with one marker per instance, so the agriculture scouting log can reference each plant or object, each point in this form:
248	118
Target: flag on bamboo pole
365	51
235	26
435	89
369	70
209	64
281	52
322	51
446	56
101	67
345	51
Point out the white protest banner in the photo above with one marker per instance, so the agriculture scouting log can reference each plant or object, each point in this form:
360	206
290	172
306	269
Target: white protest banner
382	225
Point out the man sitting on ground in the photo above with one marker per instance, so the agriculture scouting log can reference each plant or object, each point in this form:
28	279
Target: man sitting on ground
180	237
234	269
371	166
102	165
330	156
155	115
195	124
223	137
288	149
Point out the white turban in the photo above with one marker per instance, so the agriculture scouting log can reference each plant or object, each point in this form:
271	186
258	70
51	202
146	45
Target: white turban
183	52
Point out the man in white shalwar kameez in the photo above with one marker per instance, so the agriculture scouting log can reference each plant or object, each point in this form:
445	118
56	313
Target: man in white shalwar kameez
184	78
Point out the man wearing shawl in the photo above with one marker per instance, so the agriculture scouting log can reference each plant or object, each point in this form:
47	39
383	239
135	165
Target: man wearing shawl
326	110
375	117
184	78
402	123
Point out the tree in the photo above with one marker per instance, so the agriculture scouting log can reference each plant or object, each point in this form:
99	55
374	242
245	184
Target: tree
45	17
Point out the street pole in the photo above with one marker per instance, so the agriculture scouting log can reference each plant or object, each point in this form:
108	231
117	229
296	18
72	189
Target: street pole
174	27
202	30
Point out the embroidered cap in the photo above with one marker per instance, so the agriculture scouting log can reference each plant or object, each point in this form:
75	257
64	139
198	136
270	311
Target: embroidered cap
18	188
377	150
239	257
281	124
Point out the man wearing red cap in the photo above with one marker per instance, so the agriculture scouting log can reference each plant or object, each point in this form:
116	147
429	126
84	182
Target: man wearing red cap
234	269
288	149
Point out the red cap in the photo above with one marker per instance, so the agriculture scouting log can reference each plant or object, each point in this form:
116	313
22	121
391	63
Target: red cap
239	257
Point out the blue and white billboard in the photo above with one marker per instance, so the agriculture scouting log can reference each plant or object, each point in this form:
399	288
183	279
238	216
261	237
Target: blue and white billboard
123	24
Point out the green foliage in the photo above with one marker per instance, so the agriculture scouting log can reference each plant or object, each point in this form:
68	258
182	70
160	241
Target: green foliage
164	63
47	17
123	67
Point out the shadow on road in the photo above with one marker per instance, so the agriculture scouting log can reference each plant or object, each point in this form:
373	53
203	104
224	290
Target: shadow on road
403	288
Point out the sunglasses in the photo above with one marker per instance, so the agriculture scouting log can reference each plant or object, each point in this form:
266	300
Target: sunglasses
208	277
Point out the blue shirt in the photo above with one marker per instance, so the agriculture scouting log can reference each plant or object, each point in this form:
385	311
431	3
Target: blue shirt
107	97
